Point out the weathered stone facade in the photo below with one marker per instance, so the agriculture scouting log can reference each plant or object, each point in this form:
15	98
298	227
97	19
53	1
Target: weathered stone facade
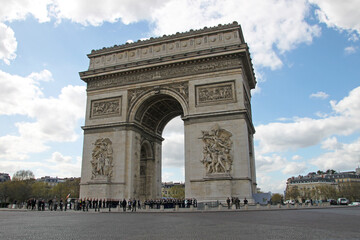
134	90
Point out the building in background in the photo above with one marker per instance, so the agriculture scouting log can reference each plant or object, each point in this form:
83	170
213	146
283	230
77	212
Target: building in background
4	177
51	180
324	185
172	190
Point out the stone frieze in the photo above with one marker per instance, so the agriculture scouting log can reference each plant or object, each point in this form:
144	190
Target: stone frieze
165	72
106	107
215	93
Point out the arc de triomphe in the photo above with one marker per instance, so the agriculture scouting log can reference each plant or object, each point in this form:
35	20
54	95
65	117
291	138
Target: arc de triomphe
134	90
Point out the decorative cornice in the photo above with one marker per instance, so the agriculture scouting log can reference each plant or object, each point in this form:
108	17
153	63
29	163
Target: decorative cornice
168	51
180	69
164	38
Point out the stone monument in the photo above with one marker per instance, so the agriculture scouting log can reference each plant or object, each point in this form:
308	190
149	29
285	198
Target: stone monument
134	90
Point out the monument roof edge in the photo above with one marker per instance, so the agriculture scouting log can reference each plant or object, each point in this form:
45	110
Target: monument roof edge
154	40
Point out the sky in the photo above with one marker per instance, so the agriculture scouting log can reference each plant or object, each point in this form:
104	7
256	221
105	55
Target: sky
306	56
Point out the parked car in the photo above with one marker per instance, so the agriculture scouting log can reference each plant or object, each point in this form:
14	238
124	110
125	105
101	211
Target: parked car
354	204
342	201
332	201
292	202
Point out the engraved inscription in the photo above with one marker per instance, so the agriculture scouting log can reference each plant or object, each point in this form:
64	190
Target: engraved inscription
106	107
221	92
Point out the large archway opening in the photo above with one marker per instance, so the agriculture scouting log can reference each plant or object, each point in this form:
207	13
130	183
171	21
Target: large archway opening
157	111
173	159
160	161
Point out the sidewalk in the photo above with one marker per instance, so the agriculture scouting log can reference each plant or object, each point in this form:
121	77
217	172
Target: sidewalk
220	208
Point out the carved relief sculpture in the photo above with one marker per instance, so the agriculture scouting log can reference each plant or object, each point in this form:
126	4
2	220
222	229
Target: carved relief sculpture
102	157
223	92
183	89
106	107
217	156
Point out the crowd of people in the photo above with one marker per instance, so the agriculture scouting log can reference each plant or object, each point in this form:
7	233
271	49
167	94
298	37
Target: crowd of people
126	205
171	203
52	204
235	201
98	204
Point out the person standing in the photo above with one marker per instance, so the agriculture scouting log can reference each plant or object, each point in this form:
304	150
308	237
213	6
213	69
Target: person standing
133	205
95	204
83	204
66	203
228	202
55	204
124	205
245	201
237	203
87	204
50	204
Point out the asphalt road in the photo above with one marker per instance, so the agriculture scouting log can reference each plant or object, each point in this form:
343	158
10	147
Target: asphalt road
331	223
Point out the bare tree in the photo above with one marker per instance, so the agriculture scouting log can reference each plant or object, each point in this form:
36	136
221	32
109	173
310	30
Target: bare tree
22	175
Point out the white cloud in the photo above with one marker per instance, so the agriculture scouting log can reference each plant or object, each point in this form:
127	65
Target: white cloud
296	157
93	12
174	127
266	182
341	157
268	26
167	176
343	15
173	150
20	9
64	166
256	90
17	94
321	114
331	144
293	168
350	50
305	132
353	37
18	147
273	163
45	75
8	43
269	164
69	168
52	119
173	146
57	157
320	94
